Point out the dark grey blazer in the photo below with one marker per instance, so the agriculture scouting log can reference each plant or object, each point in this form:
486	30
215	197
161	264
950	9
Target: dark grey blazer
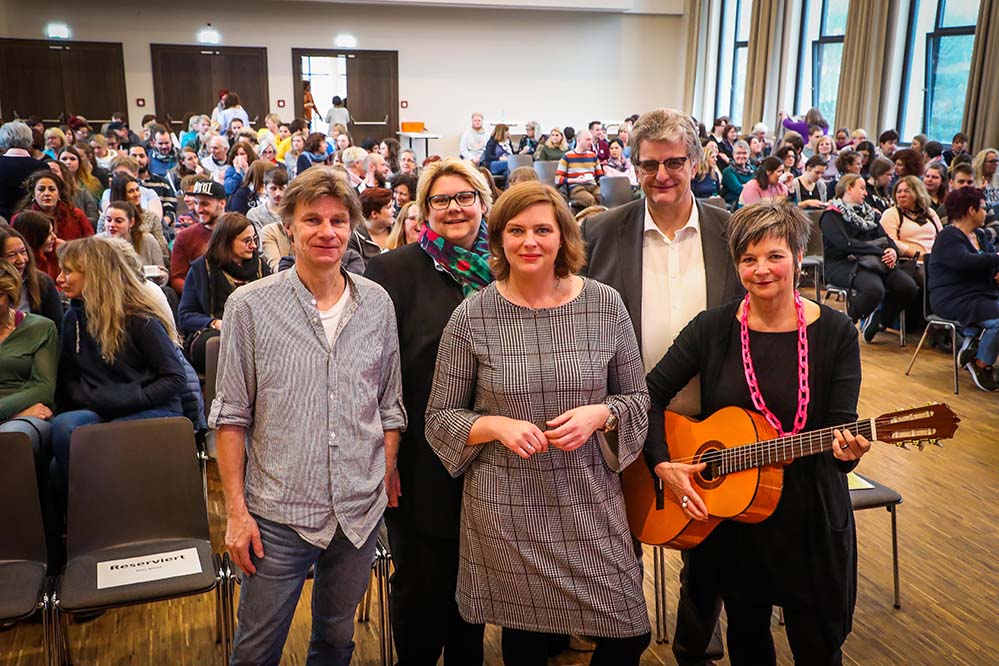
614	255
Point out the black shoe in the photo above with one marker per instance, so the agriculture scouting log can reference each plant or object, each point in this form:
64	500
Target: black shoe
969	349
984	378
872	325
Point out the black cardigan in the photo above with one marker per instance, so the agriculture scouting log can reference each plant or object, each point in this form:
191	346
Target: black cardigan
424	299
146	374
962	280
825	573
842	243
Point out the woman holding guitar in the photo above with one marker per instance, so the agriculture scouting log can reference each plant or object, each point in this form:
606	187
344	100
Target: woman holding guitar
798	364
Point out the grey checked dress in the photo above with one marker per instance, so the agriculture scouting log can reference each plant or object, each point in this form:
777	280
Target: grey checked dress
545	544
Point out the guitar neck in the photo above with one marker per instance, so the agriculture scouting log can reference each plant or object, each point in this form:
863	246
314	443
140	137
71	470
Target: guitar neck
783	449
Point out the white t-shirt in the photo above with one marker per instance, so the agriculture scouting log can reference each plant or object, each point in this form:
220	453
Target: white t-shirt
331	318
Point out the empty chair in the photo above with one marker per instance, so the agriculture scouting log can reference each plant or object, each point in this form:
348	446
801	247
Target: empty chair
812	263
517	161
546	171
872	498
22	548
615	191
135	492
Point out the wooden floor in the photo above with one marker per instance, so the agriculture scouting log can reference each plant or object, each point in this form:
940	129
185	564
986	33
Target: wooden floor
947	540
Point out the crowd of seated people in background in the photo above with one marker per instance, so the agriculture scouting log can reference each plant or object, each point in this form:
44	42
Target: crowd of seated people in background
172	223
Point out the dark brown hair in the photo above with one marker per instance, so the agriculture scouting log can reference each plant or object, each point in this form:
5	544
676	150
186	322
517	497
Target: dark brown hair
228	227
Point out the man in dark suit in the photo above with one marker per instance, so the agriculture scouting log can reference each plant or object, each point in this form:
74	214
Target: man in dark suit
667	255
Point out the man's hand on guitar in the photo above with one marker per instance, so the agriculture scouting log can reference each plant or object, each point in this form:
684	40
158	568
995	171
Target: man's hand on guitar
676	477
849	447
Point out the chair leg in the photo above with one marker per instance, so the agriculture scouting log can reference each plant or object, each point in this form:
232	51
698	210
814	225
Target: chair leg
386	617
46	638
926	332
894	553
659	583
901	328
953	347
63	628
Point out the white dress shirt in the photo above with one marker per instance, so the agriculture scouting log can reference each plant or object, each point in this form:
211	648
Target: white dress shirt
674	291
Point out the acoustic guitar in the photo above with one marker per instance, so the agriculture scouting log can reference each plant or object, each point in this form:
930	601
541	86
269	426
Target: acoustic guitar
745	466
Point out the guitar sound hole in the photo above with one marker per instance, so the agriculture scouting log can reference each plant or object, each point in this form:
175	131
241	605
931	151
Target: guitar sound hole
711	477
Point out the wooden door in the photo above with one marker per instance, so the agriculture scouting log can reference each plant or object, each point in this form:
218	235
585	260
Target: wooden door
372	89
94	81
57	79
187	79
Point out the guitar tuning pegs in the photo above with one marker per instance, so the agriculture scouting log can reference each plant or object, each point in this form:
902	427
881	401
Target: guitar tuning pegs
903	445
937	442
920	444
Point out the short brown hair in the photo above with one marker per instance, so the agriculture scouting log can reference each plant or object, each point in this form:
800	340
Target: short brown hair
768	219
572	252
314	184
374	199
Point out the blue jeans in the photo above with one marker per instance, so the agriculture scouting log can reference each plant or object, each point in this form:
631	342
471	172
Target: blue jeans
268	598
988	345
499	168
63	426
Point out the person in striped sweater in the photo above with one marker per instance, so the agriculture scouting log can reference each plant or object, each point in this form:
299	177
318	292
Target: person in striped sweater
579	169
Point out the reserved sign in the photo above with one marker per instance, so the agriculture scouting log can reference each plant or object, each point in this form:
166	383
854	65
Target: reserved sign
145	568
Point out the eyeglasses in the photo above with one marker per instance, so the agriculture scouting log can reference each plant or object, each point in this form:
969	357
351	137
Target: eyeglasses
463	199
248	242
991	161
673	165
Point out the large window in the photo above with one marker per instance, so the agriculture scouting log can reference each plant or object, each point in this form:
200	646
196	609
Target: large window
823	27
733	50
937	62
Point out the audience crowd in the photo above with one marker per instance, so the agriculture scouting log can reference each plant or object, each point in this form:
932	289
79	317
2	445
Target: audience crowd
120	253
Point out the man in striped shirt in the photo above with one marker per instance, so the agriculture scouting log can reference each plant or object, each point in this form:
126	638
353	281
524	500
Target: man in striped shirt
580	168
309	412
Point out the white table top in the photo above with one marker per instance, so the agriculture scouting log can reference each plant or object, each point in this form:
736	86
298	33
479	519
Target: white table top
419	135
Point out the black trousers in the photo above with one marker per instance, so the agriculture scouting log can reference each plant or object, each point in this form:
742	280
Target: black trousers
530	648
895	290
914	310
697	640
814	640
425	619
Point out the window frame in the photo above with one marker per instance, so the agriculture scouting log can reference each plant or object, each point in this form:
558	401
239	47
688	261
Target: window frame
932	39
736	45
815	46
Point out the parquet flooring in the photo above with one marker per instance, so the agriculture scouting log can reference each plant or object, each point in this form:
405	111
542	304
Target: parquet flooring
947	542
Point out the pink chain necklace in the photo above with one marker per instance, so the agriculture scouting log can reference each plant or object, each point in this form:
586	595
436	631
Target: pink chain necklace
754	386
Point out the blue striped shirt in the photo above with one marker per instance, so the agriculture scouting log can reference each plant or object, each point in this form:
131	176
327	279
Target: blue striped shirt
315	413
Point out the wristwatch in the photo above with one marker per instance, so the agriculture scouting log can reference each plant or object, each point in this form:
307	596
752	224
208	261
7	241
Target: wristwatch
610	425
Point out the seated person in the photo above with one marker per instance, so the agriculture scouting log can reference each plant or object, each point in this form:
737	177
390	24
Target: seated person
38	295
879	180
737	174
28	362
767	183
521	175
553	148
407	226
580	169
117	360
964	283
861	257
809	190
47	194
126	188
706	182
935	178
266	212
497	150
39	233
238	162
121	223
250	192
191	243
372	237
617	165
230	261
404	190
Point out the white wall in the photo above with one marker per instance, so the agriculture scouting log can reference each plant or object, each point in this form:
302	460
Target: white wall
560	68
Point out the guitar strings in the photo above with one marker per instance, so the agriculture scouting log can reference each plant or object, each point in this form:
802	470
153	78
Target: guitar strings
718	455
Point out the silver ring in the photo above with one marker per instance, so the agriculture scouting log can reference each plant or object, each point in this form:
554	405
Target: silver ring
684	499
529	447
